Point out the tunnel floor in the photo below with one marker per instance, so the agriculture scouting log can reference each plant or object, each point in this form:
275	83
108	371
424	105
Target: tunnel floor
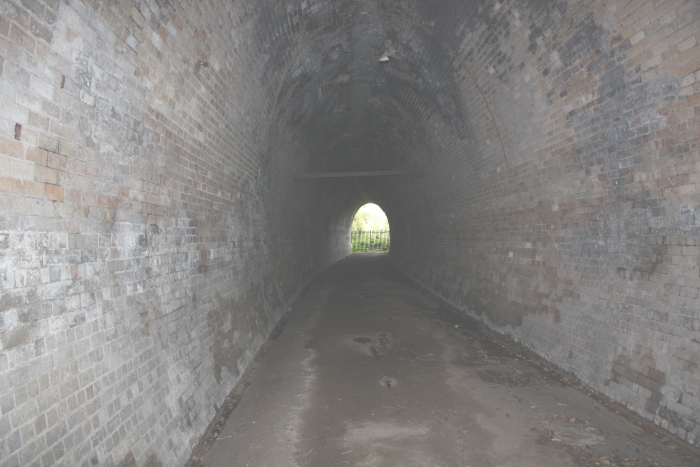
370	370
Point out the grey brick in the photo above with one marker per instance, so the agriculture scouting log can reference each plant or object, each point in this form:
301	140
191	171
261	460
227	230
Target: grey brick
13	441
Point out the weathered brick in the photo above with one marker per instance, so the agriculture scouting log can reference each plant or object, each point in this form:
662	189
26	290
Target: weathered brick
35	6
22	38
23	169
54	192
33	189
10	185
45	174
5	165
11	148
57	161
40	31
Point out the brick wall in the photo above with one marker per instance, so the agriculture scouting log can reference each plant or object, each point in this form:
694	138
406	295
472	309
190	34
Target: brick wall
568	216
142	256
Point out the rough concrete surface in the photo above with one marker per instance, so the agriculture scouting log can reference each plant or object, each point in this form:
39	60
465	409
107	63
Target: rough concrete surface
370	370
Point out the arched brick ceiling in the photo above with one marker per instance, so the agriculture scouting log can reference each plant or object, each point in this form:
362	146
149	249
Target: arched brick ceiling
353	112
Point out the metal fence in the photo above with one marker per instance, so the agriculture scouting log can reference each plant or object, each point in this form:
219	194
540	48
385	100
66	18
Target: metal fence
370	240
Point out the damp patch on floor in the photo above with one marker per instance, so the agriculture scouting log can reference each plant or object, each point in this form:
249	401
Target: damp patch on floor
374	345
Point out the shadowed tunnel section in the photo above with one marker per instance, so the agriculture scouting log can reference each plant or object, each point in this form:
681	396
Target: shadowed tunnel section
152	231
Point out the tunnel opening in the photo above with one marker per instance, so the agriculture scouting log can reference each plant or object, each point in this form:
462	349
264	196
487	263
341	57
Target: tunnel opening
370	230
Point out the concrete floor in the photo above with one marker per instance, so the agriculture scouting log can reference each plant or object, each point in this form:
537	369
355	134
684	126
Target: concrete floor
372	371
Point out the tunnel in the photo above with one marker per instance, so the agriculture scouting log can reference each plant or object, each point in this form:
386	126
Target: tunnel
176	172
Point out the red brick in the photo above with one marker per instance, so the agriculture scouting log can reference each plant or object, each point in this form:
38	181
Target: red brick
54	192
10	185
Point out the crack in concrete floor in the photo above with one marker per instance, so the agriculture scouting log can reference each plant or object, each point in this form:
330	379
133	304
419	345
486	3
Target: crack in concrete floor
372	371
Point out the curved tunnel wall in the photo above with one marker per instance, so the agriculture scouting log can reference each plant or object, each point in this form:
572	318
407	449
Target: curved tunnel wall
152	233
566	217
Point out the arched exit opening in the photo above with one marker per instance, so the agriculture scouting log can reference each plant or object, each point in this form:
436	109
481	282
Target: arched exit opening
370	230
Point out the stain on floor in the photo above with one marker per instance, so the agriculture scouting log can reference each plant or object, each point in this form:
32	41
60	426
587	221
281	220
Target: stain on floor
370	370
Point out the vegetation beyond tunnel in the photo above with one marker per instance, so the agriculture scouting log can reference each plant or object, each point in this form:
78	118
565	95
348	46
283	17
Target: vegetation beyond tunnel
153	228
370	230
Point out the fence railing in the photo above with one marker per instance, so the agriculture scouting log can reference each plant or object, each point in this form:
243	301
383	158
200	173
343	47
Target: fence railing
370	240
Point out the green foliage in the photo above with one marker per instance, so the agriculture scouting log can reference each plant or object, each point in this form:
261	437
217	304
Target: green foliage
370	229
370	217
370	240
